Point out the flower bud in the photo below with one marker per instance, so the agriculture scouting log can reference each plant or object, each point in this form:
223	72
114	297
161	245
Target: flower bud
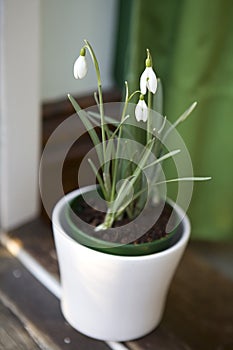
141	110
80	65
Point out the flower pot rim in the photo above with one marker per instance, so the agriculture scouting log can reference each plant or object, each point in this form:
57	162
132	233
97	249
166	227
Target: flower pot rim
68	197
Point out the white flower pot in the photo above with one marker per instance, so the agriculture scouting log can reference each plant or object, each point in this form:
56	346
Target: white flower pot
110	297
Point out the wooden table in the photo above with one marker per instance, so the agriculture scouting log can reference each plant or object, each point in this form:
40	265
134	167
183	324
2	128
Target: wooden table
198	315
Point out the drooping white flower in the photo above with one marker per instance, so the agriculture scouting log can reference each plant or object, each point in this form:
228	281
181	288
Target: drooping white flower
141	110
148	81
80	65
148	78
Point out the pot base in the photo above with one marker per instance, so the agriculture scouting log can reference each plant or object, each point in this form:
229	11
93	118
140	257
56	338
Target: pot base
100	332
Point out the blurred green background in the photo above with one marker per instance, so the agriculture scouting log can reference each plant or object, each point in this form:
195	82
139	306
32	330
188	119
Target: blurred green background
192	47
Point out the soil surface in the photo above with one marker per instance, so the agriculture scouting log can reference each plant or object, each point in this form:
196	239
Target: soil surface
147	227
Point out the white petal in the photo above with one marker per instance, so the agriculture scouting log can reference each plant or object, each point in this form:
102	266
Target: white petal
141	111
143	82
144	111
144	115
152	81
138	113
80	67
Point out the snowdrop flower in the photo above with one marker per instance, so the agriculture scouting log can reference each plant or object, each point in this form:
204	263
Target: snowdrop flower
80	65
148	78
141	110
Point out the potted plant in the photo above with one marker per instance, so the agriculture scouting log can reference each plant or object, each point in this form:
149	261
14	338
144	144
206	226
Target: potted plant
120	240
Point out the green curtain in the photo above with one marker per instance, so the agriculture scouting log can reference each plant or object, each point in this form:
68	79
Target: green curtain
192	47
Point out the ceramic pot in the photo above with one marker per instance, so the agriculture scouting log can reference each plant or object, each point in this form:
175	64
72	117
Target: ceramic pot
112	297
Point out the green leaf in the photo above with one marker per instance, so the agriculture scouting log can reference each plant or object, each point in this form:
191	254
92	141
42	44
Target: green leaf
127	203
119	126
89	127
110	152
185	179
100	181
167	155
158	98
163	125
127	184
182	118
107	118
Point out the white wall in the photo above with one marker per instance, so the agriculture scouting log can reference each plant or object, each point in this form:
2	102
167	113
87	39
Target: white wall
39	41
64	25
19	111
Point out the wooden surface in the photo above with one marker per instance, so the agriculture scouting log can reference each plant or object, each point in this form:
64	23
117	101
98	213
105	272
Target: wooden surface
198	314
38	310
37	239
13	335
199	310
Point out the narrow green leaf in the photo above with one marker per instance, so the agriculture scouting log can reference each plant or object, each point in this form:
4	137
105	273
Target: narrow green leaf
119	126
186	113
110	154
89	127
107	185
163	125
185	179
127	184
167	155
100	181
84	118
182	118
158	98
96	98
107	118
127	203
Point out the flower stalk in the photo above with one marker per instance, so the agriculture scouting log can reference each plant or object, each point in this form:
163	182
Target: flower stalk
100	95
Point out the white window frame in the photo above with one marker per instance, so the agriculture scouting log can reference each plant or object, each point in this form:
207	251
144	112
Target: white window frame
20	129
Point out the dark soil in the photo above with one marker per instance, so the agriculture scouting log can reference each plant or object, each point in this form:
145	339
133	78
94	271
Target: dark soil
136	233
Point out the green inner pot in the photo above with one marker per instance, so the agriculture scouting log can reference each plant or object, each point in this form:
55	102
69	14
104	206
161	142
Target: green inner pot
78	234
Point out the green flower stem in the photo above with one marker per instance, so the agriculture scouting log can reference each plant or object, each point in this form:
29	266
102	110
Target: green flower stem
119	205
118	144
127	100
108	222
133	94
94	59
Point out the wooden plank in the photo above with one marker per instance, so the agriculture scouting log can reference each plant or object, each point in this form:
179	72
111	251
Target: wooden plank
37	239
218	254
13	335
199	311
38	309
162	340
